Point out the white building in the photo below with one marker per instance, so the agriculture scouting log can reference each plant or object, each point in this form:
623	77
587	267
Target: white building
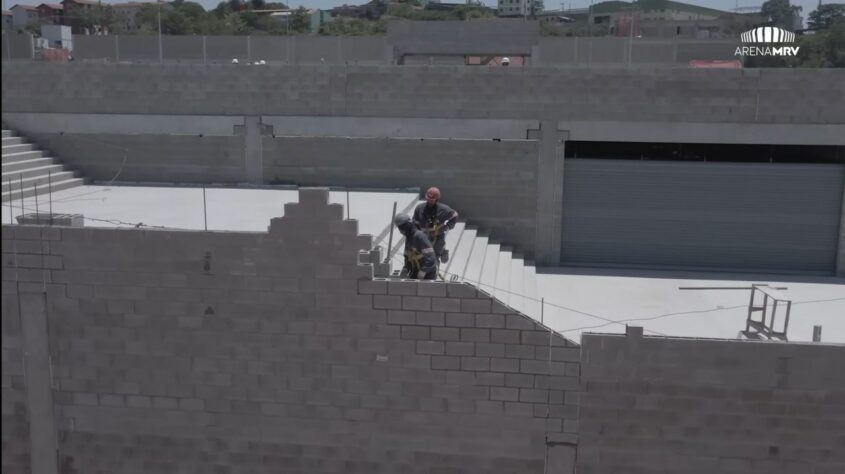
57	36
126	13
23	15
519	7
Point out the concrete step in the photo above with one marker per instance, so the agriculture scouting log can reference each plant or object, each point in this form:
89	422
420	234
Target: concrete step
8	133
458	260
12	141
19	148
478	252
27	164
532	306
31	171
40	181
21	156
517	286
57	186
453	238
488	270
503	277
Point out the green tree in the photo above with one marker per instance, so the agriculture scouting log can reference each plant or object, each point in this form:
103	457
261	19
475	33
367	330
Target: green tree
825	15
257	4
300	20
192	10
235	25
781	12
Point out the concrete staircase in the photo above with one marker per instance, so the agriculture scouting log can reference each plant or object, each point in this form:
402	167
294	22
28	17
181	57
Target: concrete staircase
487	265
24	166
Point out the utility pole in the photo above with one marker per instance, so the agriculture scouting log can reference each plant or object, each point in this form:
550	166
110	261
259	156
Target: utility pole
160	50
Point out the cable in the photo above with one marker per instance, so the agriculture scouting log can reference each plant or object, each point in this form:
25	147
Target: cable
119	222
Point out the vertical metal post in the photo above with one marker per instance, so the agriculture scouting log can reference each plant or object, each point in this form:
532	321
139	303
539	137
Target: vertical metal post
11	204
160	49
248	49
8	47
750	307
50	193
390	239
786	324
347	203
204	51
20	185
774	313
204	209
116	48
35	187
542	309
817	334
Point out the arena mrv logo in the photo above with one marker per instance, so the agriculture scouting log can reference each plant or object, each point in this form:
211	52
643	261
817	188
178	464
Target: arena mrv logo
767	41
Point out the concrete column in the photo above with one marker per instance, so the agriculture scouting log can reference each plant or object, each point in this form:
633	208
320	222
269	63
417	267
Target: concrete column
840	253
39	391
253	162
549	194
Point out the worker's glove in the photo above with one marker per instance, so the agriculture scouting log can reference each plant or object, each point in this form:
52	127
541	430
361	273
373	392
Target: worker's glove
421	275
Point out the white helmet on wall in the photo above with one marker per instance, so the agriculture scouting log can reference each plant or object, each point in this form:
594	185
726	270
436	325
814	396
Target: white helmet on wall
235	61
506	61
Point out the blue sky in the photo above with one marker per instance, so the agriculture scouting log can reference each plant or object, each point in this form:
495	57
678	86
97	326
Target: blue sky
808	5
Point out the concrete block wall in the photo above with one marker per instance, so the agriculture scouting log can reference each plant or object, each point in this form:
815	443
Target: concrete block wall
662	405
494	182
640	95
149	157
287	49
15	416
277	352
17	46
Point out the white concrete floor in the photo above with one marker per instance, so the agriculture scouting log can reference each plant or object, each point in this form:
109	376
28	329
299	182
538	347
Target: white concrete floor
182	207
650	299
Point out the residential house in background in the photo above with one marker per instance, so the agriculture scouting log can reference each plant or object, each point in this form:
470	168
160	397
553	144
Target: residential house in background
127	13
51	13
74	13
23	15
512	8
8	23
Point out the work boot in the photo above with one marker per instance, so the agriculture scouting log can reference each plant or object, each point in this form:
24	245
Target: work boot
444	257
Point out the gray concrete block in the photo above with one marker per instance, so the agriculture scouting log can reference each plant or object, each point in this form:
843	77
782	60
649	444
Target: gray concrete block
504	335
401	317
475	335
490	321
445	363
387	302
447	305
416	332
504	365
460	320
430	347
402	288
424	318
504	394
475	306
445	334
433	289
460	348
416	303
475	363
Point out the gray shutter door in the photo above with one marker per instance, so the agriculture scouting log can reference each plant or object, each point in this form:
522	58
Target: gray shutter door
721	216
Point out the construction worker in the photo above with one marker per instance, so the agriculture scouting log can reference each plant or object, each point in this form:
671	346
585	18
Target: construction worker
420	261
435	219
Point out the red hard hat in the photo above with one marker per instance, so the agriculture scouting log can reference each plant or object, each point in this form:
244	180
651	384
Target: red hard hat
432	193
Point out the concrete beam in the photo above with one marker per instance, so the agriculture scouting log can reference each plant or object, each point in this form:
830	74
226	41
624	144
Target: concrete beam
694	132
26	123
393	127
